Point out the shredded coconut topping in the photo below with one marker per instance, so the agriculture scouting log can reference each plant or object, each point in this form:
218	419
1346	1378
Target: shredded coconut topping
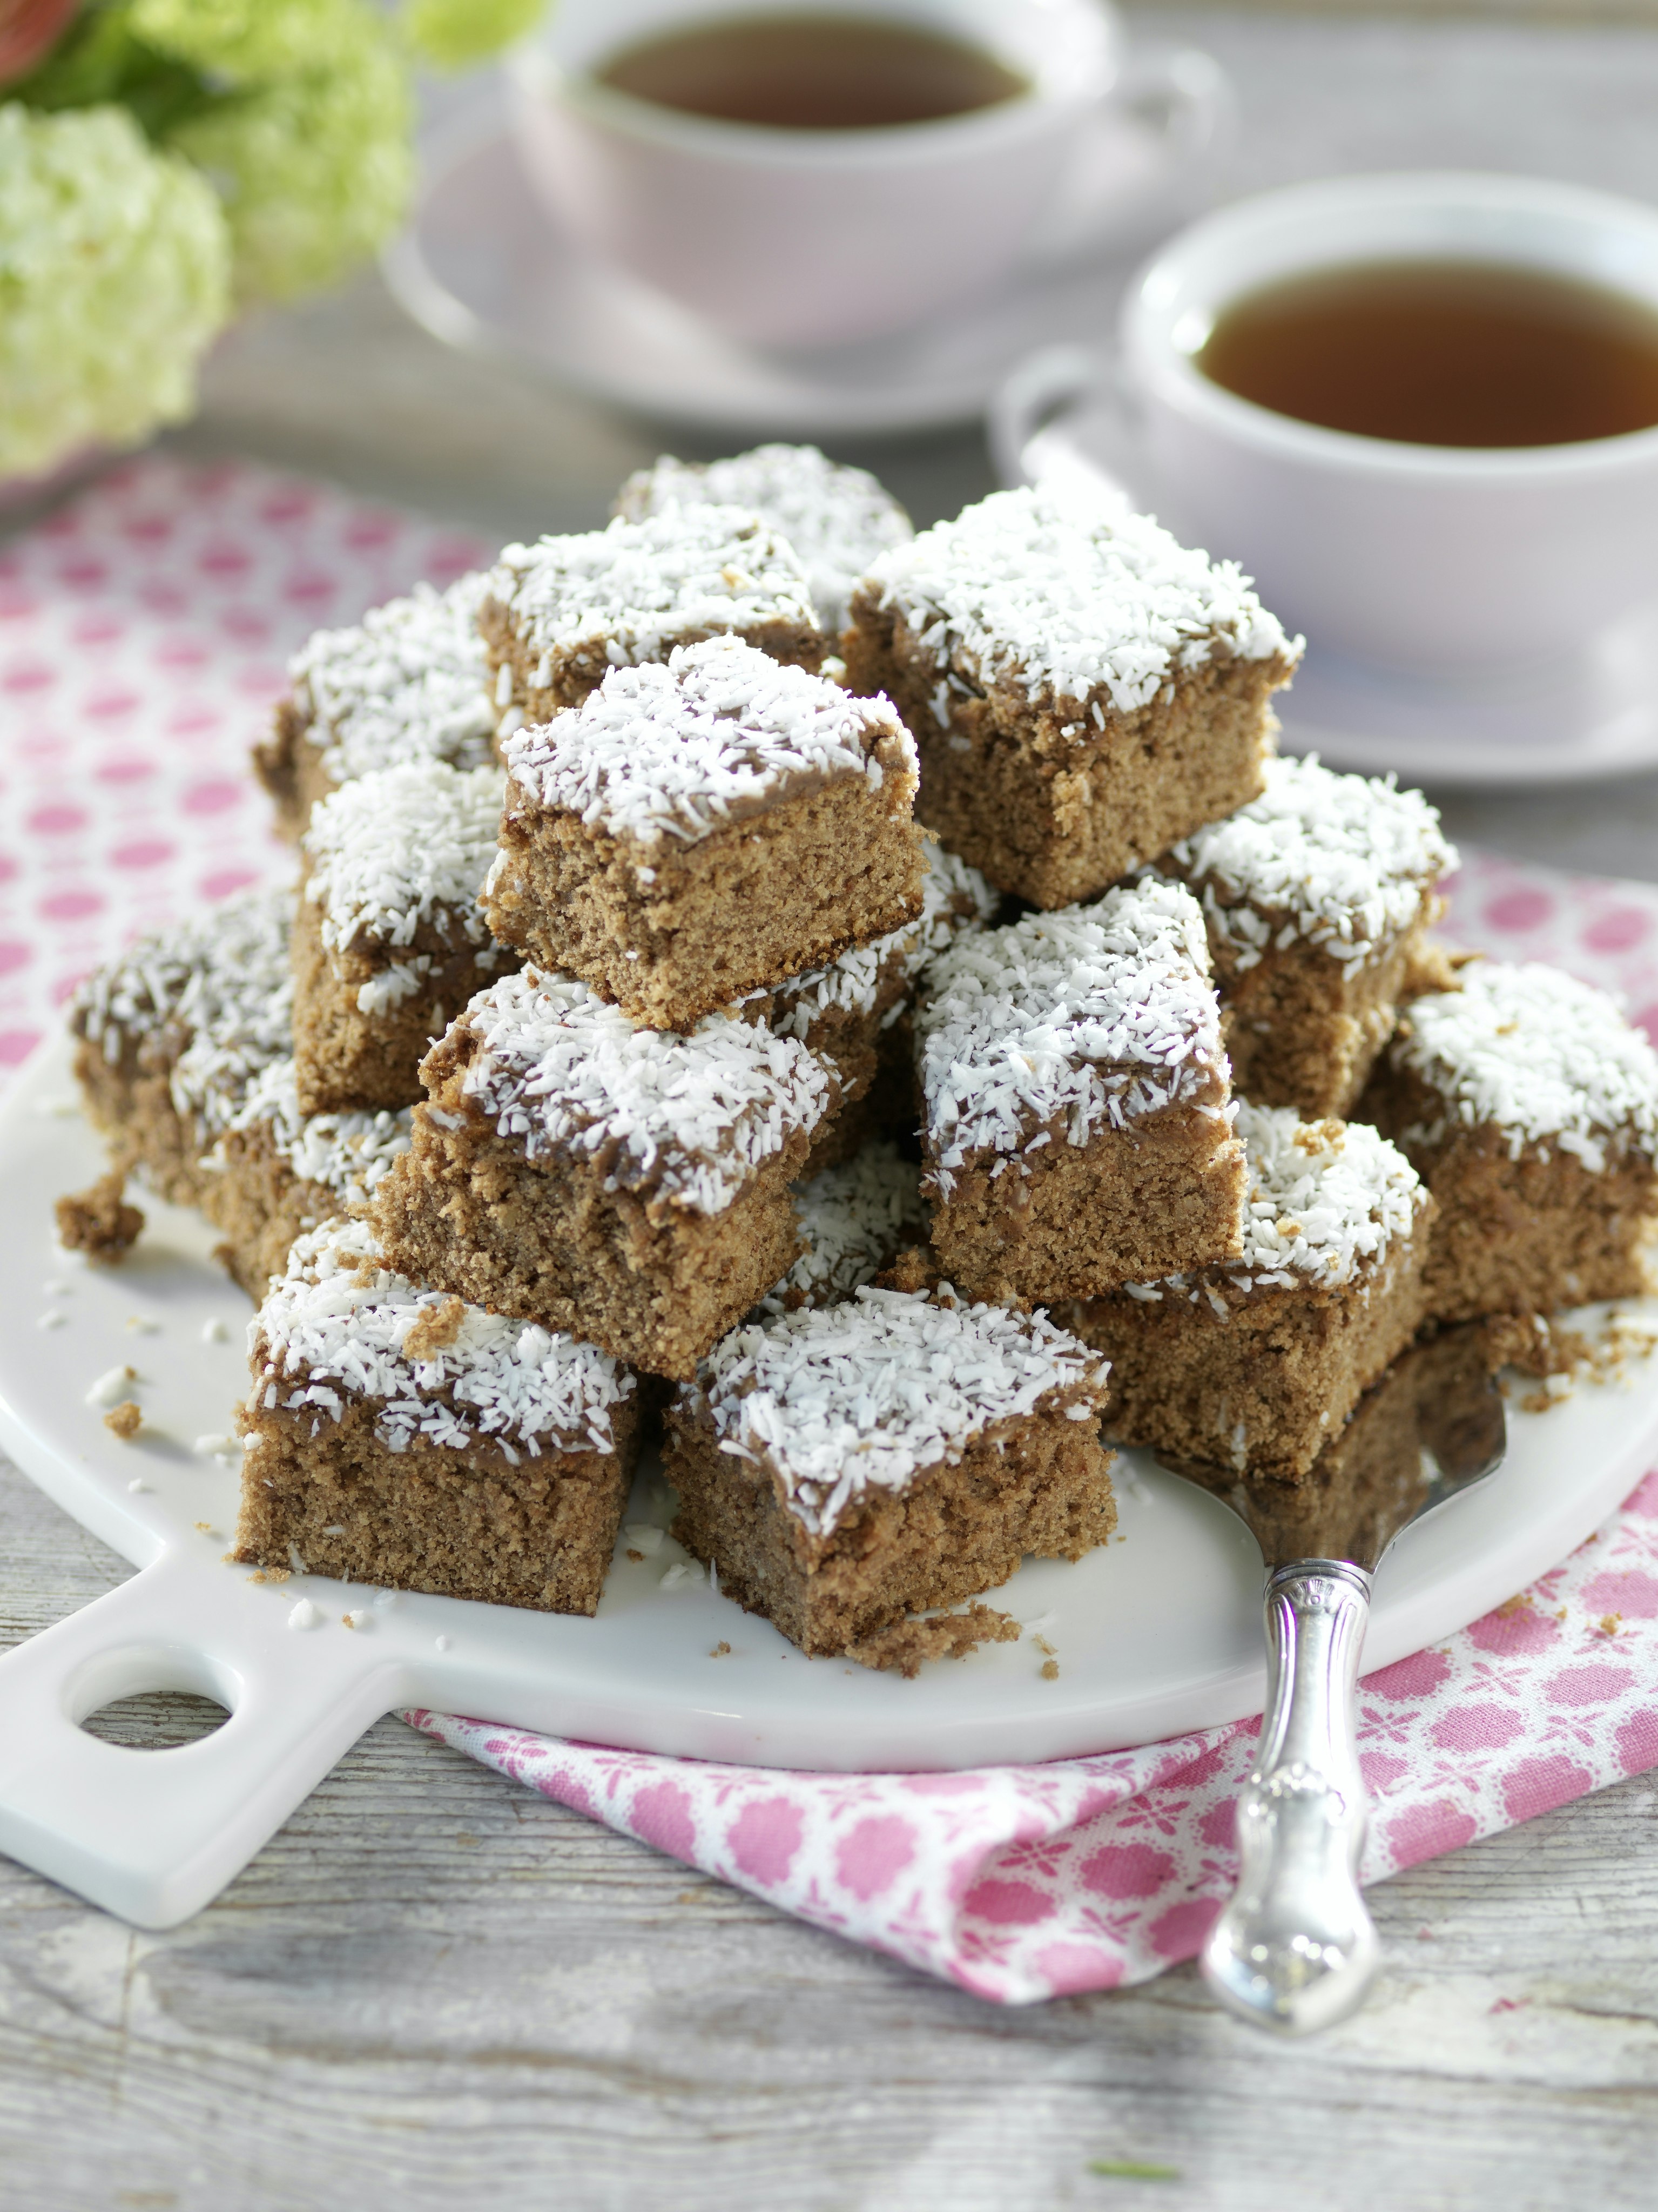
688	1117
403	848
721	732
346	1153
1066	593
216	991
853	1220
631	592
409	682
1068	1022
223	974
955	898
834	1400
1324	1199
338	1326
210	998
1342	862
1537	1053
838	519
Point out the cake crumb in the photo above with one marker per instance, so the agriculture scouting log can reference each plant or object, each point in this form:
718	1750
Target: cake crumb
1050	1670
435	1330
637	1557
1044	1647
913	1270
721	1651
901	1647
1609	1623
124	1420
97	1221
1558	1358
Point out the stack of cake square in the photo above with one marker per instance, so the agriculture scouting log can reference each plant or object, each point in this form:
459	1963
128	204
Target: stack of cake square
608	1143
626	1041
708	908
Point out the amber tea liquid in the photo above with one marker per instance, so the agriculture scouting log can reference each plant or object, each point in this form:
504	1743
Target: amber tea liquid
1443	353
812	73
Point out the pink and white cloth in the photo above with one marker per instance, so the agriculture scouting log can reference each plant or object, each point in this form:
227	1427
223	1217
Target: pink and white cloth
143	633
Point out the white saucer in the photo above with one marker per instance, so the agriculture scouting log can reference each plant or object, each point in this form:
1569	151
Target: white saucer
1573	720
484	267
1156	1632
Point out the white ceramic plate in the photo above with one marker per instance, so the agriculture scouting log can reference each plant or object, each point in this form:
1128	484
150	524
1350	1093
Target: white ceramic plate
1591	715
484	268
1157	1633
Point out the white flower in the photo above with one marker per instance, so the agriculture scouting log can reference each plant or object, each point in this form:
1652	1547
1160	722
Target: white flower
114	269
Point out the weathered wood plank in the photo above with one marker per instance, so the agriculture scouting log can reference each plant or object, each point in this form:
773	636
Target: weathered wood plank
433	1985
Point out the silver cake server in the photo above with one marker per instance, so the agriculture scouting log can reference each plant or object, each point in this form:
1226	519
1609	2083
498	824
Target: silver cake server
1296	1950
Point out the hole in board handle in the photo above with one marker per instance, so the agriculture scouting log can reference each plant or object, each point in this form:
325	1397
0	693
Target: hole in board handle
156	1720
152	1697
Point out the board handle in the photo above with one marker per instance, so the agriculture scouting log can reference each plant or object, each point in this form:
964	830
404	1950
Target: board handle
153	1836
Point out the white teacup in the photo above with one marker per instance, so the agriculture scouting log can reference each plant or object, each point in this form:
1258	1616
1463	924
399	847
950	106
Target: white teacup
809	237
1418	558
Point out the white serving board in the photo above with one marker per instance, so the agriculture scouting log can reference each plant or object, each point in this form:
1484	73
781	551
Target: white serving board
1156	1633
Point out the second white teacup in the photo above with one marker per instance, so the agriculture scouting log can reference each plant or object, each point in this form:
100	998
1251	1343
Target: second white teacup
802	238
1416	557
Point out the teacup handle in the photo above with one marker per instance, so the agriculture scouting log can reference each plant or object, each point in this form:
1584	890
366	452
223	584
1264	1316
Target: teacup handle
1027	427
1181	108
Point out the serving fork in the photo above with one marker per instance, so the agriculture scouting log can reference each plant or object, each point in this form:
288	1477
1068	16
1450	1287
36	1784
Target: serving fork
1294	1950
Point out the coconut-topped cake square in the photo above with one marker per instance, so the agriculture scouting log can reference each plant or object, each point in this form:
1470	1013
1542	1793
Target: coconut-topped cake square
1317	896
560	614
1082	690
700	829
1255	1364
837	518
276	1173
398	1437
1076	1100
185	1064
390	942
1530	1106
409	682
624	1184
844	1468
170	1033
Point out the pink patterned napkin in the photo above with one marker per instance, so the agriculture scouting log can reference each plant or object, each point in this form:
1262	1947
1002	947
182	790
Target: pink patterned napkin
143	631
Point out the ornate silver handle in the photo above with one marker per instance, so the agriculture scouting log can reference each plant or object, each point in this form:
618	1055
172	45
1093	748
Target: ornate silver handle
1294	1950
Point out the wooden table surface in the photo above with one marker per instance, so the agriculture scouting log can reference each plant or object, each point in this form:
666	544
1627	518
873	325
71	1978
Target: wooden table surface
434	1988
